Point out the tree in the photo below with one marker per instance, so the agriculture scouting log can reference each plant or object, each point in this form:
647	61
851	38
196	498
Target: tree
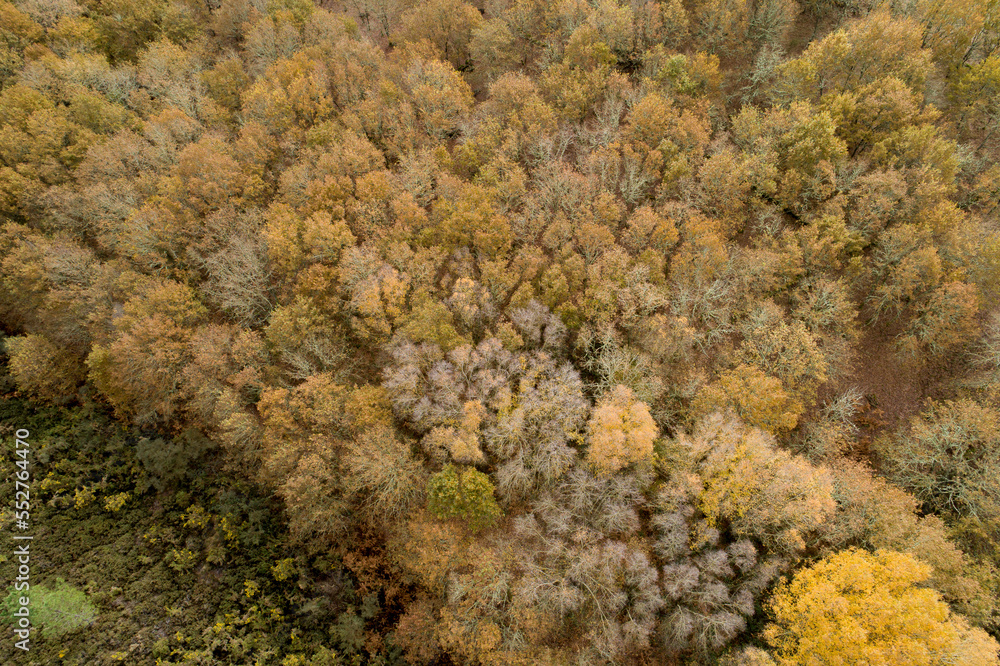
874	111
446	24
520	411
583	572
974	90
377	293
268	39
788	351
292	94
323	453
466	215
18	32
647	229
385	473
952	30
225	375
459	444
924	156
294	242
427	549
758	399
122	40
432	321
620	432
702	253
660	23
760	491
140	370
736	26
473	307
41	368
660	126
873	513
172	76
808	150
859	607
428	390
906	265
949	459
56	287
39	146
414	633
577	83
877	46
733	514
729	181
225	81
239	280
944	322
619	291
607	589
516	103
441	97
493	48
748	656
829	312
531	435
614	363
876	200
466	494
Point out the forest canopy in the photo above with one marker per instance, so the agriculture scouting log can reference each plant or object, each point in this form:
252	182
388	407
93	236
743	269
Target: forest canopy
507	331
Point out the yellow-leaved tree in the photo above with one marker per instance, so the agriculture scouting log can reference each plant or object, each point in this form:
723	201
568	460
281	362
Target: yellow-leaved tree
621	432
43	369
856	607
758	398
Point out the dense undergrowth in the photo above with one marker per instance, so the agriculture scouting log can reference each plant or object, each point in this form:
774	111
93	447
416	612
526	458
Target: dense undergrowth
178	560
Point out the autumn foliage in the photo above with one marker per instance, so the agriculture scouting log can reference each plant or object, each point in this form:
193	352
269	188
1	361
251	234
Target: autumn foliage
551	332
856	606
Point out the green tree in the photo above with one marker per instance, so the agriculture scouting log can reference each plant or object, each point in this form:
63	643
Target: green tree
465	494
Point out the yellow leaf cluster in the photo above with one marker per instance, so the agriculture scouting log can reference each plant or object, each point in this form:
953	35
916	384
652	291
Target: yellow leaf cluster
862	608
759	399
621	432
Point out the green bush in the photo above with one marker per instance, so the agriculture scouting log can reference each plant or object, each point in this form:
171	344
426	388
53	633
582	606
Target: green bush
58	610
